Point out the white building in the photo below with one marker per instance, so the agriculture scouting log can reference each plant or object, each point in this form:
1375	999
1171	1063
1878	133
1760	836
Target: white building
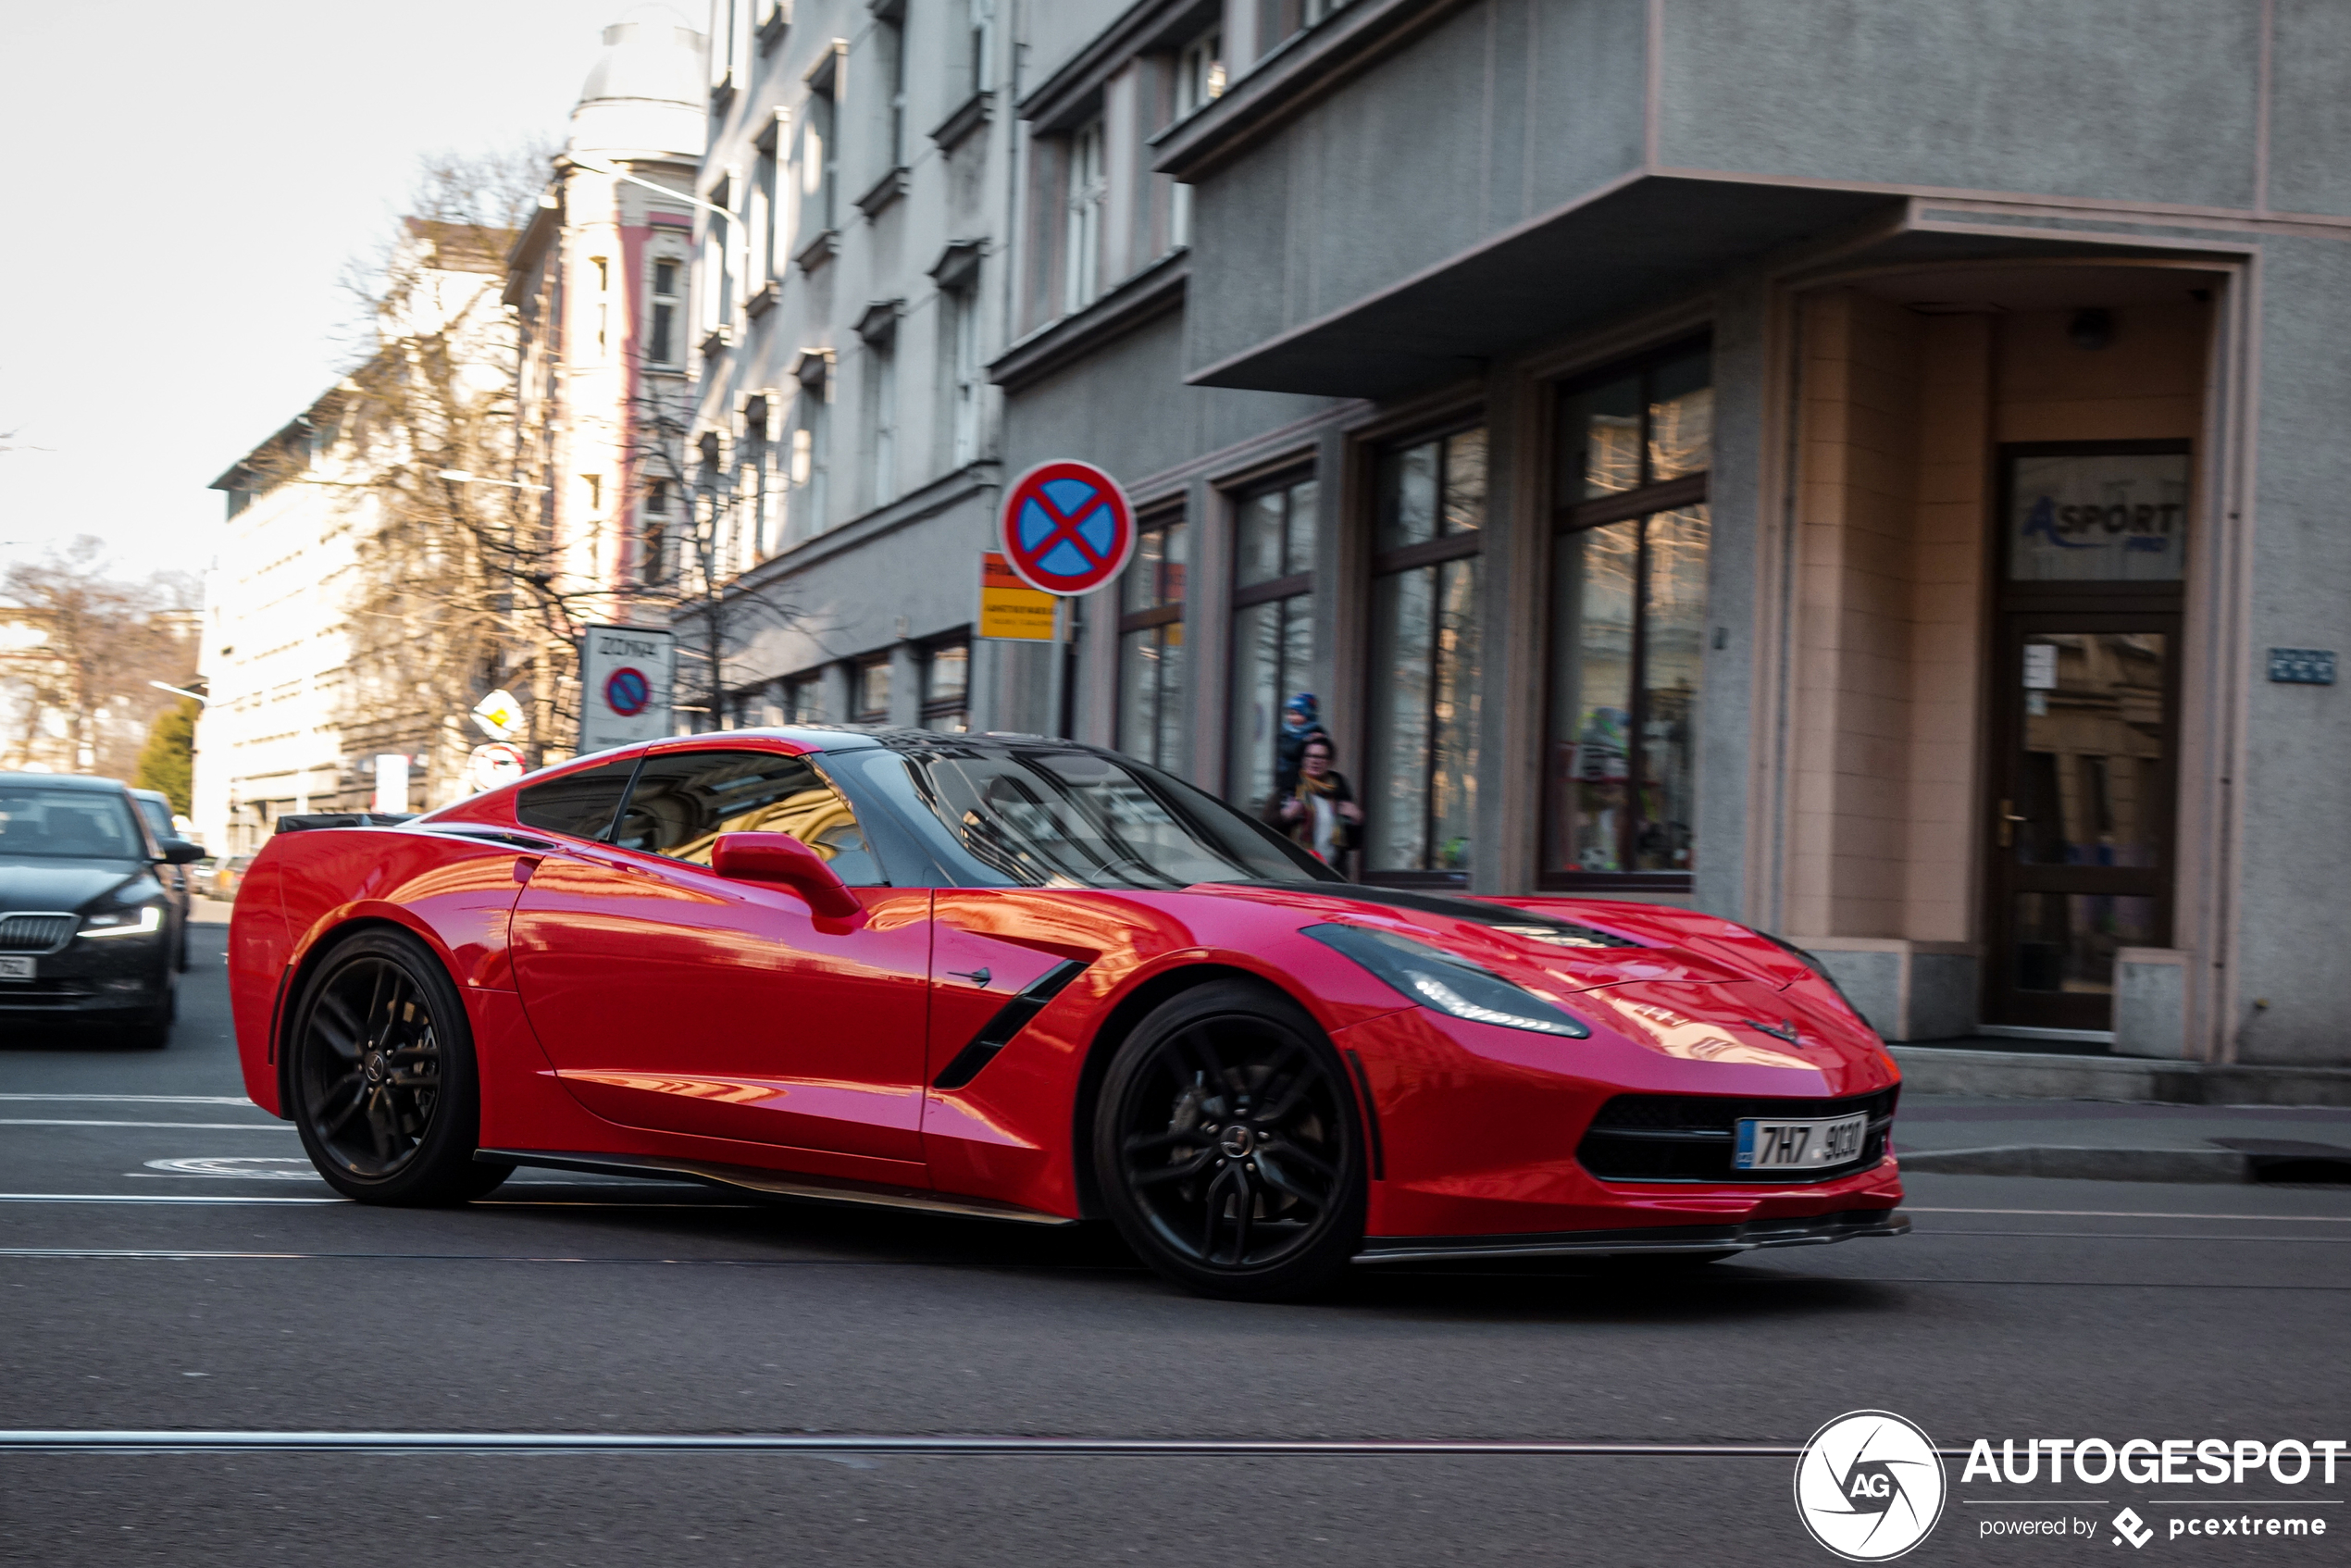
599	283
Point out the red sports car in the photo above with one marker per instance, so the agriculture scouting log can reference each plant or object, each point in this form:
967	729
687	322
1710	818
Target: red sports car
1030	980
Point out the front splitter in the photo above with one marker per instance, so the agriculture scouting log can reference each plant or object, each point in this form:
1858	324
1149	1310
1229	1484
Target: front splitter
1749	1236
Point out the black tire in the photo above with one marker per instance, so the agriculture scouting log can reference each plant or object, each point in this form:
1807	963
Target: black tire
382	1073
1227	1146
153	1031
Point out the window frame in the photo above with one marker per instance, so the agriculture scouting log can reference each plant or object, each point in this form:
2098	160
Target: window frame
1573	515
933	707
1439	551
1240	597
664	342
858	670
1085	199
1156	617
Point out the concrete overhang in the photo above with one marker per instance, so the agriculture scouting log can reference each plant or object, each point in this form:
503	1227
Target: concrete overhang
1641	241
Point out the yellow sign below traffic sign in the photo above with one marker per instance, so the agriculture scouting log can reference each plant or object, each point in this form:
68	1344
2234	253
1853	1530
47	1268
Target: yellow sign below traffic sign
1010	610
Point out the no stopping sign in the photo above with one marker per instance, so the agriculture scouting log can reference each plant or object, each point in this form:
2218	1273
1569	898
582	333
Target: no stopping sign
1068	528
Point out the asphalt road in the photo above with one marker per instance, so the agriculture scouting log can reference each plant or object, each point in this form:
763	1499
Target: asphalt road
228	1295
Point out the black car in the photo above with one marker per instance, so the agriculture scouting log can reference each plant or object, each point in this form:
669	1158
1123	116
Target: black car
88	932
179	881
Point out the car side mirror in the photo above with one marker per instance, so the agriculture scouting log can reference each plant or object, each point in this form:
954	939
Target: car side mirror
180	851
779	857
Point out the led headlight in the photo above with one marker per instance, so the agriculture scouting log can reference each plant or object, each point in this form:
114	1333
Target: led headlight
1433	977
143	921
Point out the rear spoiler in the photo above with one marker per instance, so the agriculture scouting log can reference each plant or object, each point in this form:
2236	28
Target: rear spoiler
305	822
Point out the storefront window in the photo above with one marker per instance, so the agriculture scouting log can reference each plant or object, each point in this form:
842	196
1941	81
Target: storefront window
947	686
1421	786
1150	648
1273	628
1628	624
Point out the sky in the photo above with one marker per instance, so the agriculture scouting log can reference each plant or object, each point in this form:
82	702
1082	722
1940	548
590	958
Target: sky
188	181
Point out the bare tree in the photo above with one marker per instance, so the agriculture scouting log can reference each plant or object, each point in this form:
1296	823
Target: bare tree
81	643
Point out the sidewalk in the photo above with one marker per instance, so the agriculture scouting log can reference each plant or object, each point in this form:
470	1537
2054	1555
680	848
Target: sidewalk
2098	1140
2035	1071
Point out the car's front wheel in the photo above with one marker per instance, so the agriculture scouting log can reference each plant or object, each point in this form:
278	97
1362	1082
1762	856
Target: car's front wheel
382	1073
1227	1145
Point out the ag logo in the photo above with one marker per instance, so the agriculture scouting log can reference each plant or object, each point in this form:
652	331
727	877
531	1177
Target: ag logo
1868	1486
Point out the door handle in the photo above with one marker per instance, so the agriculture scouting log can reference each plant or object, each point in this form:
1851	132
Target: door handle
977	977
2008	819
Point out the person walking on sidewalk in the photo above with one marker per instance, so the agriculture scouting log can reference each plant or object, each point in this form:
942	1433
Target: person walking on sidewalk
1321	813
1299	725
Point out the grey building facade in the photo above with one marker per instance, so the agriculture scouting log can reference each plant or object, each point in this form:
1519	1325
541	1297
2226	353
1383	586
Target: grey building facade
1864	470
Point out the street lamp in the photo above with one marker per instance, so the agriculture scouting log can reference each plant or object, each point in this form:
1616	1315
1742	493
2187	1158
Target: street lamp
180	692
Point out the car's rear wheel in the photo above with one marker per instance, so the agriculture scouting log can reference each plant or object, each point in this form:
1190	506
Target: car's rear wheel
1227	1147
384	1090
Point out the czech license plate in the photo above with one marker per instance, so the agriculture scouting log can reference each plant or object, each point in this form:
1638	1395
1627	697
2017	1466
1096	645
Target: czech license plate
1770	1144
15	968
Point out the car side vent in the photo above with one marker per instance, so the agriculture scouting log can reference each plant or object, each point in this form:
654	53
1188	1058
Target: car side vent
1010	1019
304	822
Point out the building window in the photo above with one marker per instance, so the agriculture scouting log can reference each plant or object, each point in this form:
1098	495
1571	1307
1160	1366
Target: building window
869	689
1150	648
947	687
981	44
718	261
889	43
819	163
662	345
1089	187
962	372
1273	631
1628	622
805	698
805	514
1199	80
1425	677
653	564
761	220
881	419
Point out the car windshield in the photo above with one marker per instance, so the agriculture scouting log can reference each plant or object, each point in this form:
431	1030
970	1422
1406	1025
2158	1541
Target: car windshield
158	816
68	824
1042	817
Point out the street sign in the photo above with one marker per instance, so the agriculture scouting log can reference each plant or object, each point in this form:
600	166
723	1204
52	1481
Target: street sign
391	782
497	763
1010	611
500	716
625	677
1066	527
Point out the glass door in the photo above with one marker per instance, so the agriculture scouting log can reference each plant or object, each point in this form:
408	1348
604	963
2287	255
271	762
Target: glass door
2081	793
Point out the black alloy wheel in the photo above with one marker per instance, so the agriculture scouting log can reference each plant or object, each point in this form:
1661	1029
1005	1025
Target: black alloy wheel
384	1088
1227	1147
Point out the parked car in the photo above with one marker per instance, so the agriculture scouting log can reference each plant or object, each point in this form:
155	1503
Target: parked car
88	930
179	880
1034	981
226	874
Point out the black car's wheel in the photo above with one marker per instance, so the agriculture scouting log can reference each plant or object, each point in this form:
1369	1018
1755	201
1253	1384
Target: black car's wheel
153	1031
384	1092
1227	1147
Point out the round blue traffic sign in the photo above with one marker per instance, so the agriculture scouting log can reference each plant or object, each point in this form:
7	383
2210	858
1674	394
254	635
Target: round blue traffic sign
1068	528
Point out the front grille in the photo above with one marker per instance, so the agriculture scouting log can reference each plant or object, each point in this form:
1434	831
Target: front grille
34	933
1691	1136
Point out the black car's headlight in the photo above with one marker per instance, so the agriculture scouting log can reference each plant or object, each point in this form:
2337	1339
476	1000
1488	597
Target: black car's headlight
132	911
1433	977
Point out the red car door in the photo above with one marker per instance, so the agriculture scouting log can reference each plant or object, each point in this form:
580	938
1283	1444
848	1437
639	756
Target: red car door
671	998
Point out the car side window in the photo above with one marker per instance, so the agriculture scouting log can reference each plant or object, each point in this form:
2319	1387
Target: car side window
684	800
582	805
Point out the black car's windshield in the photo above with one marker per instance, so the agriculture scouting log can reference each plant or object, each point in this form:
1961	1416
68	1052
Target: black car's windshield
1042	817
68	824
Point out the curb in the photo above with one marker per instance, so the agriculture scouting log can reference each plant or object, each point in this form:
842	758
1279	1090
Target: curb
2040	1076
2225	1165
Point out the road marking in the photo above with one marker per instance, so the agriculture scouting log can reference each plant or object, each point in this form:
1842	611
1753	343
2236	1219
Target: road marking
231	1199
2132	1214
166	1441
2139	1236
143	1098
211	1126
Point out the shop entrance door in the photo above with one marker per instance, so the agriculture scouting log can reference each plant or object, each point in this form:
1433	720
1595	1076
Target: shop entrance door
2082	809
2080	796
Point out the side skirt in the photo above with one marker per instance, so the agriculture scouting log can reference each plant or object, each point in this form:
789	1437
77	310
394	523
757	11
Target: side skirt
781	1185
1746	1238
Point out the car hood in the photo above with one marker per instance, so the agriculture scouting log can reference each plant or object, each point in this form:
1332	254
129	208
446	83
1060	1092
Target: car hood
1553	945
29	882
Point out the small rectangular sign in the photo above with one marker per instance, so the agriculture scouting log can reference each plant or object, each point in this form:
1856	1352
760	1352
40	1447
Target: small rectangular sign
626	676
1010	611
2040	667
2302	666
